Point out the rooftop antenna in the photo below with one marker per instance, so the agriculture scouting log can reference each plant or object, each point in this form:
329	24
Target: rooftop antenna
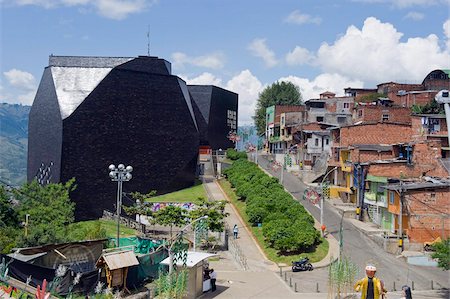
148	41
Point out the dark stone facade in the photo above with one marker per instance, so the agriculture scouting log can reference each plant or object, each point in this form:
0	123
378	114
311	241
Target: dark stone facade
219	110
139	114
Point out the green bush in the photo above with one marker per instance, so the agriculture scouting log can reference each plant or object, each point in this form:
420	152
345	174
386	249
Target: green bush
287	226
234	155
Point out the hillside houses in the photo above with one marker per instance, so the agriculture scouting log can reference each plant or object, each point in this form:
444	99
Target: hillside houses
371	142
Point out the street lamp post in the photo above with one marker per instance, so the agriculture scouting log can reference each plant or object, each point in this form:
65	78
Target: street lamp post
321	199
181	232
120	174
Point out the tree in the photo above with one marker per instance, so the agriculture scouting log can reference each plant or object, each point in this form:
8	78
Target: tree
8	216
50	210
279	93
442	254
215	210
171	216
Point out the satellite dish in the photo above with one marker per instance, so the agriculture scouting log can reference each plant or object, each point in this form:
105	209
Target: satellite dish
442	97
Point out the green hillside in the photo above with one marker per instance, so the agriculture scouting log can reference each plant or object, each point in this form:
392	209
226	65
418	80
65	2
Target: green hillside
13	141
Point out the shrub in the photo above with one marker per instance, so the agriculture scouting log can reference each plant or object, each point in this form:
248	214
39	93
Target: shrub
234	155
287	226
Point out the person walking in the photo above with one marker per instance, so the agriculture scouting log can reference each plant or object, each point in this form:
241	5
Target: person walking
235	231
213	276
371	287
406	291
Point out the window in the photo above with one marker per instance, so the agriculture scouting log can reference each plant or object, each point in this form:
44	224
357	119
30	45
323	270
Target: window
327	141
360	113
319	118
282	120
385	117
341	119
316	141
346	105
391	197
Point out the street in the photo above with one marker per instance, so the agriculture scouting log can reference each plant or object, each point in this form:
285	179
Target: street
359	248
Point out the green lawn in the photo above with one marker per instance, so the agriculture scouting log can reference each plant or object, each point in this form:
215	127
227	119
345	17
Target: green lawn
109	226
190	194
272	254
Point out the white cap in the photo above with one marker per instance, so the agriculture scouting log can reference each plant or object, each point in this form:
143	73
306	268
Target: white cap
371	268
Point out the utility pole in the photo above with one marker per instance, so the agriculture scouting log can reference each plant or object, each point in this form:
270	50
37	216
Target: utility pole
400	221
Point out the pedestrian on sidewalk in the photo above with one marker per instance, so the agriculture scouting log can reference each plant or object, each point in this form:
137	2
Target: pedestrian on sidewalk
406	291
235	231
213	276
371	287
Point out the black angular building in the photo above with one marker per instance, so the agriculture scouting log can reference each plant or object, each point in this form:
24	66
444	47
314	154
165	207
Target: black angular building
90	112
218	109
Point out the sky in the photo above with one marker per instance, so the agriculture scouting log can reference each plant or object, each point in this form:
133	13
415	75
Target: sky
243	46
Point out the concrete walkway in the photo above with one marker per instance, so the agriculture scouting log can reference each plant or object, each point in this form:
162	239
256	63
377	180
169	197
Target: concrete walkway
261	279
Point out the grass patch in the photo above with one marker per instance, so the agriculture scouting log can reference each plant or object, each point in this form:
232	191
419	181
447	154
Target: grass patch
190	194
109	226
272	254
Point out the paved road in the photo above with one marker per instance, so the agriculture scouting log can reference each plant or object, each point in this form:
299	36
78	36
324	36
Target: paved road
360	248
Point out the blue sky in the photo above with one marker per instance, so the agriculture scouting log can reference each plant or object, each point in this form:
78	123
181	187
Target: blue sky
239	45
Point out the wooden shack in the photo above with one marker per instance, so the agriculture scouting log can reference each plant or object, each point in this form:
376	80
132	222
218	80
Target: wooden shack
114	267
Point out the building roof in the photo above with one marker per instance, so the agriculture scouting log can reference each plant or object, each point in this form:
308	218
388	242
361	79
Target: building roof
368	123
417	186
430	115
121	259
193	258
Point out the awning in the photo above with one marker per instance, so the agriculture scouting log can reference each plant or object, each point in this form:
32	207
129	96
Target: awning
193	258
377	179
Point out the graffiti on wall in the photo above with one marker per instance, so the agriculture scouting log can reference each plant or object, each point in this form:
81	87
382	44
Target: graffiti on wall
189	206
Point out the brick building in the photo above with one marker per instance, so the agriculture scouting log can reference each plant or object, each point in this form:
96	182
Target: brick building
330	109
425	209
375	113
358	93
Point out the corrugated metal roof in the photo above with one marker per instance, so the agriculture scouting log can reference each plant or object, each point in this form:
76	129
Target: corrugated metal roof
118	260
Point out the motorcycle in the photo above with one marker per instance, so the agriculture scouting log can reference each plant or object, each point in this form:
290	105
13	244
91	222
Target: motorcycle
302	265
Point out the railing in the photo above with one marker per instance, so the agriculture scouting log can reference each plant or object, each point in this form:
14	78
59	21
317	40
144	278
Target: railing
236	251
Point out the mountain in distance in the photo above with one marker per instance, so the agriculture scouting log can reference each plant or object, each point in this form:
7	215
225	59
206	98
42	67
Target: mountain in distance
13	143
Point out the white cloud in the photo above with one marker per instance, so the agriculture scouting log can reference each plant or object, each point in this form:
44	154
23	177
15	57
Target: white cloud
296	17
414	15
376	54
119	9
248	87
259	48
21	87
311	89
446	27
245	84
299	56
113	9
203	79
213	61
21	79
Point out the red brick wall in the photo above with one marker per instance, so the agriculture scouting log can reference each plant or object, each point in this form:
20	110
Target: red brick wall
374	113
425	160
420	99
379	133
425	222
